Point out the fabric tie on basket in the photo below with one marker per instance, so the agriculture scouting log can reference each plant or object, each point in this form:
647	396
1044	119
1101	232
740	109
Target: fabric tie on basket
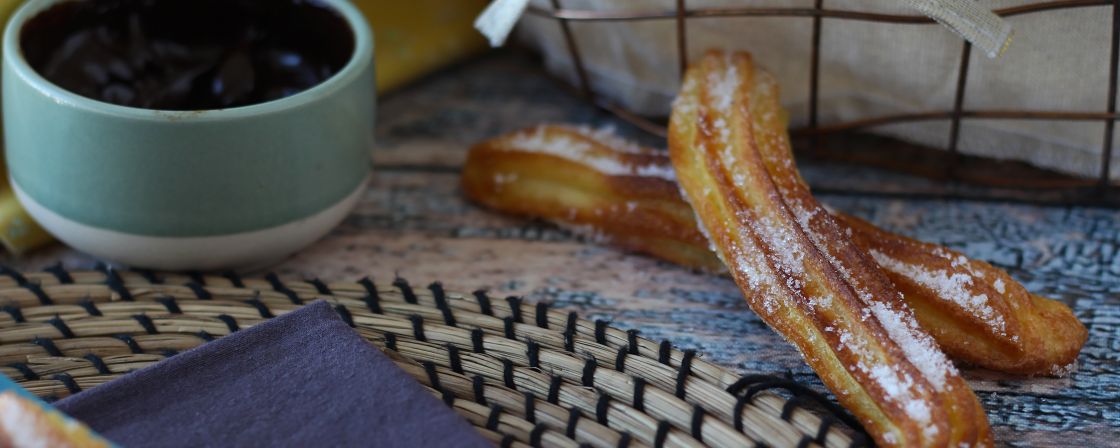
301	379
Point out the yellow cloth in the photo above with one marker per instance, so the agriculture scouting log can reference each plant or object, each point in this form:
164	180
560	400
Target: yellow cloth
18	232
411	39
414	37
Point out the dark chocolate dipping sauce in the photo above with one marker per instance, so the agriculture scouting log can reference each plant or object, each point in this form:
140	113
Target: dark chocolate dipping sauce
187	54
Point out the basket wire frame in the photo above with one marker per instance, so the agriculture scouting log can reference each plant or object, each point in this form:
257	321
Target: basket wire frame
1095	191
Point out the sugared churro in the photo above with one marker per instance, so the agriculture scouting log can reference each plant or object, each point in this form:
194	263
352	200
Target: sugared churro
598	184
798	269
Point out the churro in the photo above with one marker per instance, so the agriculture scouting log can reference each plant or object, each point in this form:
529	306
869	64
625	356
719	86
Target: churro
609	189
798	269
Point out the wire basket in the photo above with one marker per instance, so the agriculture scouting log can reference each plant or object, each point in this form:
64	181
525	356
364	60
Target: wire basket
1014	181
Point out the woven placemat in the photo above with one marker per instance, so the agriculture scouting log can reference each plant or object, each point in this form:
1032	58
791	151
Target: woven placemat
524	374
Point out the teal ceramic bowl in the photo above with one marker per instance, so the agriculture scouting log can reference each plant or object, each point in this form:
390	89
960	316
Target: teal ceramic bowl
210	189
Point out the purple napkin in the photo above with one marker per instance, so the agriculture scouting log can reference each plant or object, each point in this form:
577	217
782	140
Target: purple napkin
301	379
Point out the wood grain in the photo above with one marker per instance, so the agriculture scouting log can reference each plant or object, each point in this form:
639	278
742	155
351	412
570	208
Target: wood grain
413	222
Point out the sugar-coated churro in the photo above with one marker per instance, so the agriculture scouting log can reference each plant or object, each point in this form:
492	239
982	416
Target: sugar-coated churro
610	189
800	272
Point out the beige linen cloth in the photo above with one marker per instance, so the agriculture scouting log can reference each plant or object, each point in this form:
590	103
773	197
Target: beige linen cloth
1057	62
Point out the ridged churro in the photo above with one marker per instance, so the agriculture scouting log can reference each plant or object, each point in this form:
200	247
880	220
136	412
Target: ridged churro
798	269
600	185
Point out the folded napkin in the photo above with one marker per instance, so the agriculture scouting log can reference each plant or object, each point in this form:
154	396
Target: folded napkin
301	379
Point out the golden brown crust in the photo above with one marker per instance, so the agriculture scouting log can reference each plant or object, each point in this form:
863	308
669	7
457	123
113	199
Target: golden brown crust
798	270
1038	336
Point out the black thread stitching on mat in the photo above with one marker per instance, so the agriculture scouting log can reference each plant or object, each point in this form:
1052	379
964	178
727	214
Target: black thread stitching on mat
279	287
554	389
789	406
507	374
59	272
14	274
199	290
406	290
601	331
205	336
370	288
570	332
859	439
441	303
515	308
24	370
433	376
230	322
684	371
133	346
530	407
234	279
534	355
22	282
68	381
261	308
373	302
196	277
822	431
448	398
601	408
494	417
740	405
662	434
116	284
639	394
98	364
39	293
665	352
588	377
90	307
805	441
632	341
757	383
542	314
478	385
145	323
476	341
320	287
507	441
698	423
483	303
344	313
170	303
148	276
16	313
391	341
47	345
573	421
507	328
438	294
61	326
624	440
454	359
535	435
418	327
620	359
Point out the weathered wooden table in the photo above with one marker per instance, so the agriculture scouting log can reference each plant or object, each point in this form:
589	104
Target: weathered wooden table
413	222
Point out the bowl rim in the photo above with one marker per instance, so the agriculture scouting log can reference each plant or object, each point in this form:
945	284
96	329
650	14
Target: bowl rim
14	61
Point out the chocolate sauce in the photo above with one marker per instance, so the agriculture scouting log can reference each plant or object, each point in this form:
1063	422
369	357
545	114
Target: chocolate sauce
187	54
